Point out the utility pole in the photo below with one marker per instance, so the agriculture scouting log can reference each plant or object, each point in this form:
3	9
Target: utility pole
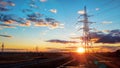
86	30
2	50
36	49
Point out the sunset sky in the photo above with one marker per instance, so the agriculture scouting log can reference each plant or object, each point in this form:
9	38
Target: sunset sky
27	24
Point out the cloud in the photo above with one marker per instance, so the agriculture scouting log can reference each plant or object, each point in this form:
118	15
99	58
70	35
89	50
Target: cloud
10	19
48	22
34	17
4	9
107	48
53	10
112	37
60	41
97	34
42	23
106	31
52	23
97	9
43	0
72	47
107	22
81	12
34	6
72	34
8	36
7	26
9	22
57	49
49	19
61	25
6	3
92	35
75	37
28	23
11	3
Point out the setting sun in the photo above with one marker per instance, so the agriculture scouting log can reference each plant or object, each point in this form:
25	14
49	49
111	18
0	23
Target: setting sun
81	50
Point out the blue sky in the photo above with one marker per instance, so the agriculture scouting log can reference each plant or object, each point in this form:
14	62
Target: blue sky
105	14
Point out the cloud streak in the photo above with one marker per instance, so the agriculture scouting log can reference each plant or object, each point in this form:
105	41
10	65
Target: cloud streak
60	41
107	22
7	26
7	36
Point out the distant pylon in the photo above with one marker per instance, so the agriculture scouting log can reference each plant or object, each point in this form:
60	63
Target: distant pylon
36	49
2	49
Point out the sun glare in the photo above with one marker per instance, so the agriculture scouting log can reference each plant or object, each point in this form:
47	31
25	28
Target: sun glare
81	50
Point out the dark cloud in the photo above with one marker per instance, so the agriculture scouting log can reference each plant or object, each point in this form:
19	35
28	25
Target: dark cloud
50	19
115	32
4	9
92	35
41	23
47	22
7	25
95	36
35	17
60	41
8	36
11	18
112	37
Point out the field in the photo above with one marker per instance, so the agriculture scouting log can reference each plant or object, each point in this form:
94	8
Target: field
61	60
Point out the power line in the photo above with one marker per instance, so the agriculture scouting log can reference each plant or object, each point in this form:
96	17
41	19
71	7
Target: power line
107	3
110	17
109	9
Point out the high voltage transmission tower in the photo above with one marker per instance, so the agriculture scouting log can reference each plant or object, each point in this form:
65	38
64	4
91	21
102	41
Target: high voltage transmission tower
86	38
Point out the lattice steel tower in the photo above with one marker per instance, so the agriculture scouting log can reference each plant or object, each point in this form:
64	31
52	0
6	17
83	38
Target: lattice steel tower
86	31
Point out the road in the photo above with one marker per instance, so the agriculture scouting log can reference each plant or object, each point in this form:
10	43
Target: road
70	61
91	61
29	64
